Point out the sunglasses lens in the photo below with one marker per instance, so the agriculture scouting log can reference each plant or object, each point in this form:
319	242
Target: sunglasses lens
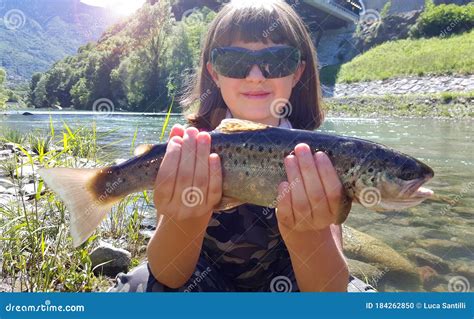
230	62
277	63
274	62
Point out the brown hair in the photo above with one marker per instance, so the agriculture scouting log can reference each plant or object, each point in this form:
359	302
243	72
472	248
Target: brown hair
256	21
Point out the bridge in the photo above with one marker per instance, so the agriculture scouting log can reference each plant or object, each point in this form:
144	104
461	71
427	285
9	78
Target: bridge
347	11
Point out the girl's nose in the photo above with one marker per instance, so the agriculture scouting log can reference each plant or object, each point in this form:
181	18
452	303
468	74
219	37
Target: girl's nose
255	74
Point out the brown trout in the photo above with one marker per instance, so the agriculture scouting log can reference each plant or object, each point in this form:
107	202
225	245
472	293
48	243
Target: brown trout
252	158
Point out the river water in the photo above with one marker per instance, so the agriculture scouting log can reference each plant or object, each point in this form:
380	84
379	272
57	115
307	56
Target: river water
443	226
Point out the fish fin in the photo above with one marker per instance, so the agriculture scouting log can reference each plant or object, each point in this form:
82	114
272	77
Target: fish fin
227	203
142	149
237	125
86	210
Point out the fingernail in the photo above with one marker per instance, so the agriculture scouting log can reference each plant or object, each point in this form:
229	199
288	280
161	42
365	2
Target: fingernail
321	156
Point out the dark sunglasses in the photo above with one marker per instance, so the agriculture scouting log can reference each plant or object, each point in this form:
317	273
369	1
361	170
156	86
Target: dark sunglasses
273	62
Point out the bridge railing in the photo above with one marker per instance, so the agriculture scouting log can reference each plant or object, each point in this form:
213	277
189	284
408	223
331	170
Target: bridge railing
341	7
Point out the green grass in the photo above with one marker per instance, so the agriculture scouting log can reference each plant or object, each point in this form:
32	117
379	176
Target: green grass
35	245
435	56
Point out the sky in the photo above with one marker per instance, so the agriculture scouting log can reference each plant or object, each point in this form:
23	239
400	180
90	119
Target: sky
121	7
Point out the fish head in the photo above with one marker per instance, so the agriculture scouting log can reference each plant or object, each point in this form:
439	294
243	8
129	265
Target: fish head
393	182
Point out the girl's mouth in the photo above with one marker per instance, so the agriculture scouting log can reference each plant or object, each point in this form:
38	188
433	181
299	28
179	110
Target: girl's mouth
257	95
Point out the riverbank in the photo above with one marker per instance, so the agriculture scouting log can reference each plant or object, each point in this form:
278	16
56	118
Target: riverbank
447	105
36	248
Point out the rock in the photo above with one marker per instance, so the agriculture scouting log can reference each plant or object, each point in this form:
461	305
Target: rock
6	182
146	234
443	248
4	287
406	85
27	170
28	190
392	27
10	146
363	247
429	277
423	258
365	272
440	288
465	269
6	198
111	260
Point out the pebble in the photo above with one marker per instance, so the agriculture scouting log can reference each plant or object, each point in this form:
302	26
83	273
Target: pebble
418	85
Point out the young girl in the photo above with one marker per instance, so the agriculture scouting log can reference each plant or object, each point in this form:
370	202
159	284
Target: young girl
258	63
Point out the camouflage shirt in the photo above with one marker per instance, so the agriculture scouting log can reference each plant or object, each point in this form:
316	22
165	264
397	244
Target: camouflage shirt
245	245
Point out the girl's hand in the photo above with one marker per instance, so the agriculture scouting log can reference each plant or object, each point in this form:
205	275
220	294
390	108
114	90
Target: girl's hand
314	197
189	182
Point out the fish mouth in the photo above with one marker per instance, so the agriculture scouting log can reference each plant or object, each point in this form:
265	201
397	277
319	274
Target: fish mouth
413	189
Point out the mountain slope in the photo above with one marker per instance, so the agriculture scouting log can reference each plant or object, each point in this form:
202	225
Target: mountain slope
137	64
35	34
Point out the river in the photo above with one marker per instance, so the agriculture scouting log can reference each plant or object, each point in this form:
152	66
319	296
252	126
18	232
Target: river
444	228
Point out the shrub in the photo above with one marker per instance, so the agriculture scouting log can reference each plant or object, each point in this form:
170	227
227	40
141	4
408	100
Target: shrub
444	20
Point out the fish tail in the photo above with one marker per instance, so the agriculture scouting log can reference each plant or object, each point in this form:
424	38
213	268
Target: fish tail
86	209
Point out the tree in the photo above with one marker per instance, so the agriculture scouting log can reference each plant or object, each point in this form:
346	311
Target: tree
3	92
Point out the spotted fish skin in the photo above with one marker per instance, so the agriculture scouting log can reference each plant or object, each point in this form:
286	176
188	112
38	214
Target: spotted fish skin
253	163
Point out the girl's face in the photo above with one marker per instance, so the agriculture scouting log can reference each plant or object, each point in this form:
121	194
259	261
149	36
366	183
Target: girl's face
251	98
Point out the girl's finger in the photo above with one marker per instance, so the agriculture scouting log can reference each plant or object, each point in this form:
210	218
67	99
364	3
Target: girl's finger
215	180
312	183
201	172
299	200
166	177
284	210
331	183
184	180
176	130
